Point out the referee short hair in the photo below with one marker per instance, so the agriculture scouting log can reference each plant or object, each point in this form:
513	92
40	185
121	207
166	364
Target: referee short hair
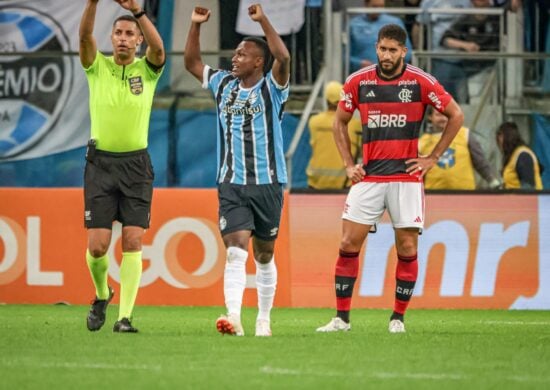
393	31
128	18
266	53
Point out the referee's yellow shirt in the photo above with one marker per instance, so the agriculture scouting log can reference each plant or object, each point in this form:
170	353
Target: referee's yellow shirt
121	98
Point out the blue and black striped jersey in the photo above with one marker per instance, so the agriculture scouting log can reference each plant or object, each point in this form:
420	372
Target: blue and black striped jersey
250	139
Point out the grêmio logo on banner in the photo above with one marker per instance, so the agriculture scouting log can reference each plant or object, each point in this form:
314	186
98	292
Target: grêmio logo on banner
33	89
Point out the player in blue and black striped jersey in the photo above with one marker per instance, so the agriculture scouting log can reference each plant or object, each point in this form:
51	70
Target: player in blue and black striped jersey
251	165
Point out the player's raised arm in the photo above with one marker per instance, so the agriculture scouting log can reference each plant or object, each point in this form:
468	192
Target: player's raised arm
155	47
341	136
281	63
192	53
88	47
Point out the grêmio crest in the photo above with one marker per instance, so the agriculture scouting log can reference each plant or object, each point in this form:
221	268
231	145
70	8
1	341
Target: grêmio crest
136	85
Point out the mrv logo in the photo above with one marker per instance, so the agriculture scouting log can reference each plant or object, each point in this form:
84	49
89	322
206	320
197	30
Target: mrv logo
503	261
33	90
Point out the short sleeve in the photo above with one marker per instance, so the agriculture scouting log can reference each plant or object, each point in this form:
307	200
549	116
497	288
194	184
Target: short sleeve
348	98
435	95
153	73
212	78
279	92
93	68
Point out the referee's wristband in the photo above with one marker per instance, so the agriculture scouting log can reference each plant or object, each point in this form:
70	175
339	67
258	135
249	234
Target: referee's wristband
139	14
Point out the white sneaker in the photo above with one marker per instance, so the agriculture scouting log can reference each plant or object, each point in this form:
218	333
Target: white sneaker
263	328
230	324
335	325
396	326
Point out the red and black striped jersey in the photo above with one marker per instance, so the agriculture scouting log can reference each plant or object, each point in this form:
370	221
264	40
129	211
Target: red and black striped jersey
391	113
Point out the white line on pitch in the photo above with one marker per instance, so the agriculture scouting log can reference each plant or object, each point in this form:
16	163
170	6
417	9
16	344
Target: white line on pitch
380	375
391	375
94	366
517	378
544	323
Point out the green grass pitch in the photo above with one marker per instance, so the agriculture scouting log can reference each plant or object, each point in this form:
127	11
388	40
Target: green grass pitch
49	347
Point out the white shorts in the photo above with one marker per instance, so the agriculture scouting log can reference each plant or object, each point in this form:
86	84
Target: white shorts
404	201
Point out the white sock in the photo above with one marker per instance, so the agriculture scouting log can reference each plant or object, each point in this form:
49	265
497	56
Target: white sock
266	283
234	279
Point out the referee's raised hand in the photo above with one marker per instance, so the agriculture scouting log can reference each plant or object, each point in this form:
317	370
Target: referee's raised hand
200	15
130	5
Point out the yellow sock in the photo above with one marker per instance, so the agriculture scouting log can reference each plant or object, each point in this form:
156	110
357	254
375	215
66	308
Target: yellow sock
98	269
130	276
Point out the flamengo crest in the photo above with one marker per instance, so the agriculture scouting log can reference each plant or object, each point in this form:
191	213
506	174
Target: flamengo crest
405	95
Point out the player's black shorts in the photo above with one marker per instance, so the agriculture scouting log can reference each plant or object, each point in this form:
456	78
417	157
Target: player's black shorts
118	186
251	207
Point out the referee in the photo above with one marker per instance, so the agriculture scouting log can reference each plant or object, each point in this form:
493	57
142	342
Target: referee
118	180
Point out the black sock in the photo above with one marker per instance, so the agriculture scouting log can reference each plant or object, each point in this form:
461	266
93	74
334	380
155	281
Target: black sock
397	316
343	315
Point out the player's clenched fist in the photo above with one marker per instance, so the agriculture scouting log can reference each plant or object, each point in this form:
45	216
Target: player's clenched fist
255	12
200	15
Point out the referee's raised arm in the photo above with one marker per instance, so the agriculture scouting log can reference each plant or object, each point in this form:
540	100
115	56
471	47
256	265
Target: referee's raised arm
88	47
155	47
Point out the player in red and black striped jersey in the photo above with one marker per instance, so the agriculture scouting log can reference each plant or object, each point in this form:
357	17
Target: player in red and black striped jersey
391	97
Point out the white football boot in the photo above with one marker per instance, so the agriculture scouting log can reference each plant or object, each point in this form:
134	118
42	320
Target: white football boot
230	324
335	325
396	326
263	328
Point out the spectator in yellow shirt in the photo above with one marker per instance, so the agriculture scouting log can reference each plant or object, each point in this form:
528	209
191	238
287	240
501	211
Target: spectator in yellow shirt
521	168
326	169
455	168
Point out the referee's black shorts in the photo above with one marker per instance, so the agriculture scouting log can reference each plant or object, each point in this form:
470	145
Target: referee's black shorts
251	207
118	186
